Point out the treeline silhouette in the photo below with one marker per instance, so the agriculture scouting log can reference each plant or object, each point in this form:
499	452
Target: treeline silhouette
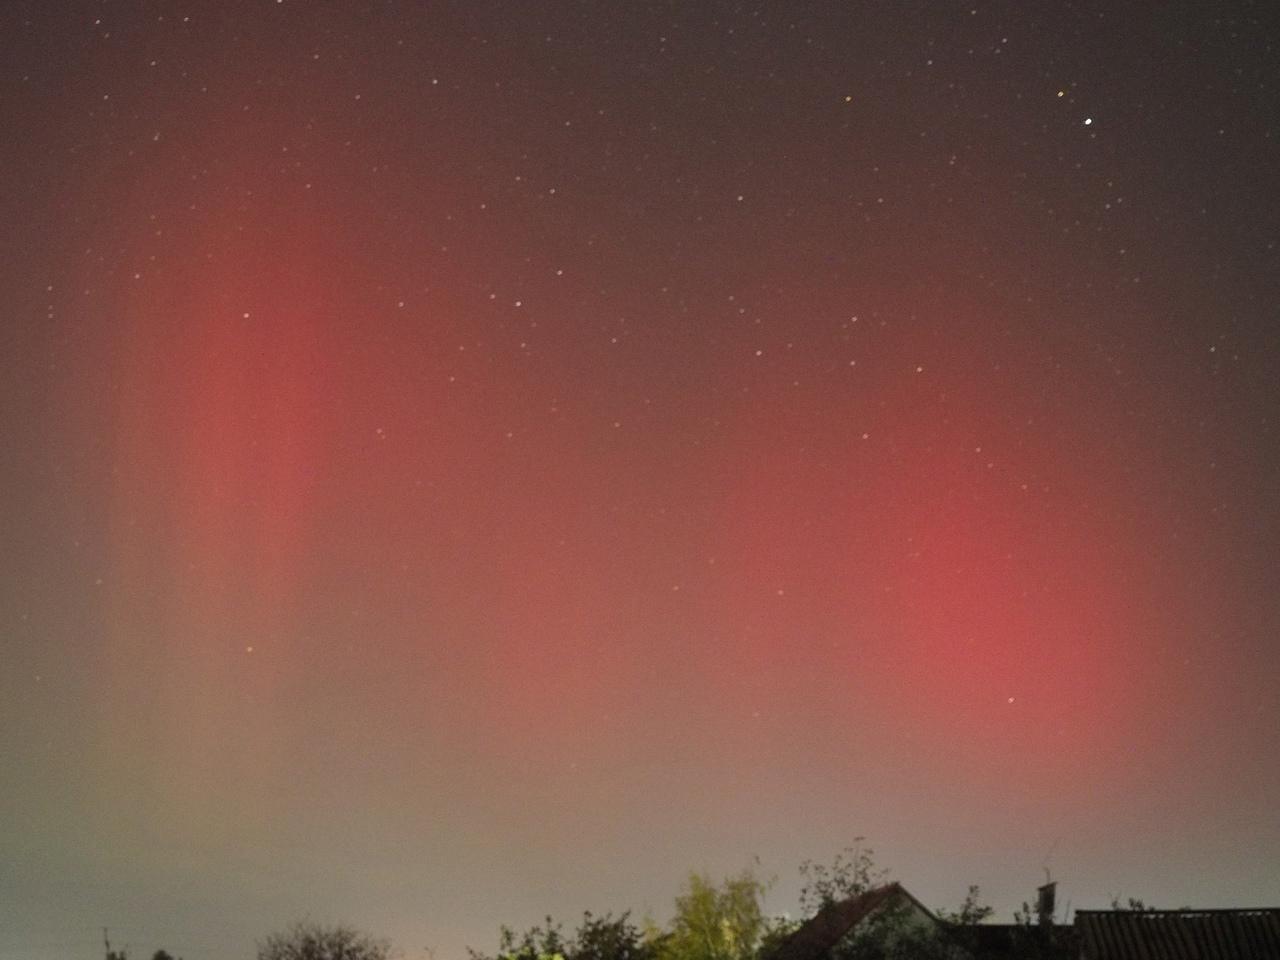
723	920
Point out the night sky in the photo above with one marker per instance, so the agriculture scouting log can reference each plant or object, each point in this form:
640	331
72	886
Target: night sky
465	461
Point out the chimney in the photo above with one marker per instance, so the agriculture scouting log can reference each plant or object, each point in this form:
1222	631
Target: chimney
1045	899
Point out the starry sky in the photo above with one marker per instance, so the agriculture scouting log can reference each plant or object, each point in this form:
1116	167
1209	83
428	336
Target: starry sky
469	460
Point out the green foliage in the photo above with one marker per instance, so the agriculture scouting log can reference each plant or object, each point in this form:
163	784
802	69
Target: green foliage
309	941
597	938
853	872
606	938
724	922
536	943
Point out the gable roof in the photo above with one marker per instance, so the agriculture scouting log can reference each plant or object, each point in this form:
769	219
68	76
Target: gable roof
820	933
1179	934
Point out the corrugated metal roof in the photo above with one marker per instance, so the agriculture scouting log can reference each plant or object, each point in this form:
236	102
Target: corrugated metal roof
1179	934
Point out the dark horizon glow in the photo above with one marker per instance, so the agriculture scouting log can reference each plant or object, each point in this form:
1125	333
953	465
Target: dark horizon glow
470	461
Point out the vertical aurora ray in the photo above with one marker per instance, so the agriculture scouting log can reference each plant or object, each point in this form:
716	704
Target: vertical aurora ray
467	461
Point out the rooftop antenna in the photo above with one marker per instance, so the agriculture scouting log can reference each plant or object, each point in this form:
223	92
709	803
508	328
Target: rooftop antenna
1049	856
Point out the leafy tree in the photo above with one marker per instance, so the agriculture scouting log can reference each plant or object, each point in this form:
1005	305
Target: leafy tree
961	922
310	941
607	938
724	922
597	938
853	872
889	933
972	911
536	943
162	955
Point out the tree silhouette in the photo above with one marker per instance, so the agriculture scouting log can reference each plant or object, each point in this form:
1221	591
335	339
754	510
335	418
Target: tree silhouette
310	941
853	871
597	938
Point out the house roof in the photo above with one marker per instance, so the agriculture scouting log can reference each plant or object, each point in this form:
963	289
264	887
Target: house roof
817	935
1179	934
